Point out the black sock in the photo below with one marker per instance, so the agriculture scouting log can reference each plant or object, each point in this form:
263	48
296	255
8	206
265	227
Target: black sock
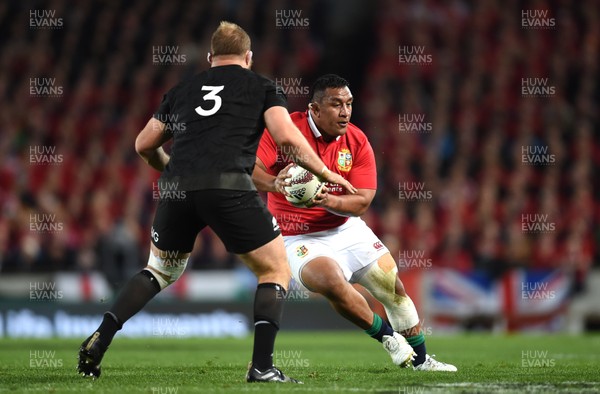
268	310
140	289
108	328
418	344
379	328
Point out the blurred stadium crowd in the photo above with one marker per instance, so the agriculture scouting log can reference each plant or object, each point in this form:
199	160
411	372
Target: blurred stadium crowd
96	198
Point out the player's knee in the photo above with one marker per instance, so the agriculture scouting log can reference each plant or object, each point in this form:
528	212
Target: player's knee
386	263
167	267
275	273
383	285
381	278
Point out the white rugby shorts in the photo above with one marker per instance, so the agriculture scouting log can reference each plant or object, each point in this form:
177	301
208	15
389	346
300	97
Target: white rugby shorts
353	245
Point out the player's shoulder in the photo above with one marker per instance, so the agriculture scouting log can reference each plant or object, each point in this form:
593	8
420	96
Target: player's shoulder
299	117
259	80
180	85
187	83
231	72
263	79
354	132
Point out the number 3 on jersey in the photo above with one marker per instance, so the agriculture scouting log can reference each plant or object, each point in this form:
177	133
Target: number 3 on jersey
211	95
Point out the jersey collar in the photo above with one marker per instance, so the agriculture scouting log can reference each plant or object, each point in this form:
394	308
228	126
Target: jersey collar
314	129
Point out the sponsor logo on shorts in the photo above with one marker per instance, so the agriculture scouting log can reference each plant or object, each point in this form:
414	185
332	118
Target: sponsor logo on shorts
301	251
378	245
154	234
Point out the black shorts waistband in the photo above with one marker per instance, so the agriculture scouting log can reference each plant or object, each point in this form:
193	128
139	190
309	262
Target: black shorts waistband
225	180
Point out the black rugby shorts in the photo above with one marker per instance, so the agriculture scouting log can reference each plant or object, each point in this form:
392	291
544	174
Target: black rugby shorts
239	218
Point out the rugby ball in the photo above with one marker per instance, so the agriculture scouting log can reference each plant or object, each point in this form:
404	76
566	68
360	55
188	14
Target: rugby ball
303	187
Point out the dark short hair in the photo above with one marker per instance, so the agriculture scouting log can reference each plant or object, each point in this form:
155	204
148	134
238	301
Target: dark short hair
326	81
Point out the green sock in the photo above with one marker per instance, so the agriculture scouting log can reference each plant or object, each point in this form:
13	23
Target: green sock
418	344
416	340
379	328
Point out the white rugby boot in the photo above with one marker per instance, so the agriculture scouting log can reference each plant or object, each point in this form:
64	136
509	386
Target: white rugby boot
432	364
400	351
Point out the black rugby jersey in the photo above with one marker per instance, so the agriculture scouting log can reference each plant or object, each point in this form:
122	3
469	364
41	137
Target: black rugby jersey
216	119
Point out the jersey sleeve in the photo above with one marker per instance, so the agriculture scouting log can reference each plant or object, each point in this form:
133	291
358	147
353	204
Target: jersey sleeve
163	112
363	174
267	151
164	109
274	97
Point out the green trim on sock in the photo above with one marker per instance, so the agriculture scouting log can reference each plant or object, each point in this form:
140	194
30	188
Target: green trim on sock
377	322
416	340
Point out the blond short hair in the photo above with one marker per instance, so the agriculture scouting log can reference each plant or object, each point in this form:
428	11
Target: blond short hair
229	39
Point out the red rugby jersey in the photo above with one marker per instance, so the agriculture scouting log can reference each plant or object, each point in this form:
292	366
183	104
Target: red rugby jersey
350	155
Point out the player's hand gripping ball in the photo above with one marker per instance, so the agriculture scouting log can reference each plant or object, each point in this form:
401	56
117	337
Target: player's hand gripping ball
303	187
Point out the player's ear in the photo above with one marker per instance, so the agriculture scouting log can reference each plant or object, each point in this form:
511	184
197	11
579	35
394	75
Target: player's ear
209	58
314	108
248	58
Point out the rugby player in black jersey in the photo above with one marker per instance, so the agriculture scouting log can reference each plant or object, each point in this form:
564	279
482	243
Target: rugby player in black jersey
225	110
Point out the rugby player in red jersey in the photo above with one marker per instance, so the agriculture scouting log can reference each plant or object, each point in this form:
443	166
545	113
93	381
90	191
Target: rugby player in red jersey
328	246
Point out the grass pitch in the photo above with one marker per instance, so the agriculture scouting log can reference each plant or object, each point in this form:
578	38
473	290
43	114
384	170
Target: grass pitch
327	362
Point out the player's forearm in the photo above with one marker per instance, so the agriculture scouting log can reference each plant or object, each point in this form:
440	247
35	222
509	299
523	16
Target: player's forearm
346	205
286	134
304	155
263	181
156	158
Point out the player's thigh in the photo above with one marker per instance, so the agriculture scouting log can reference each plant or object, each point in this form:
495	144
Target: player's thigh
358	247
323	275
176	225
269	262
241	220
305	251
